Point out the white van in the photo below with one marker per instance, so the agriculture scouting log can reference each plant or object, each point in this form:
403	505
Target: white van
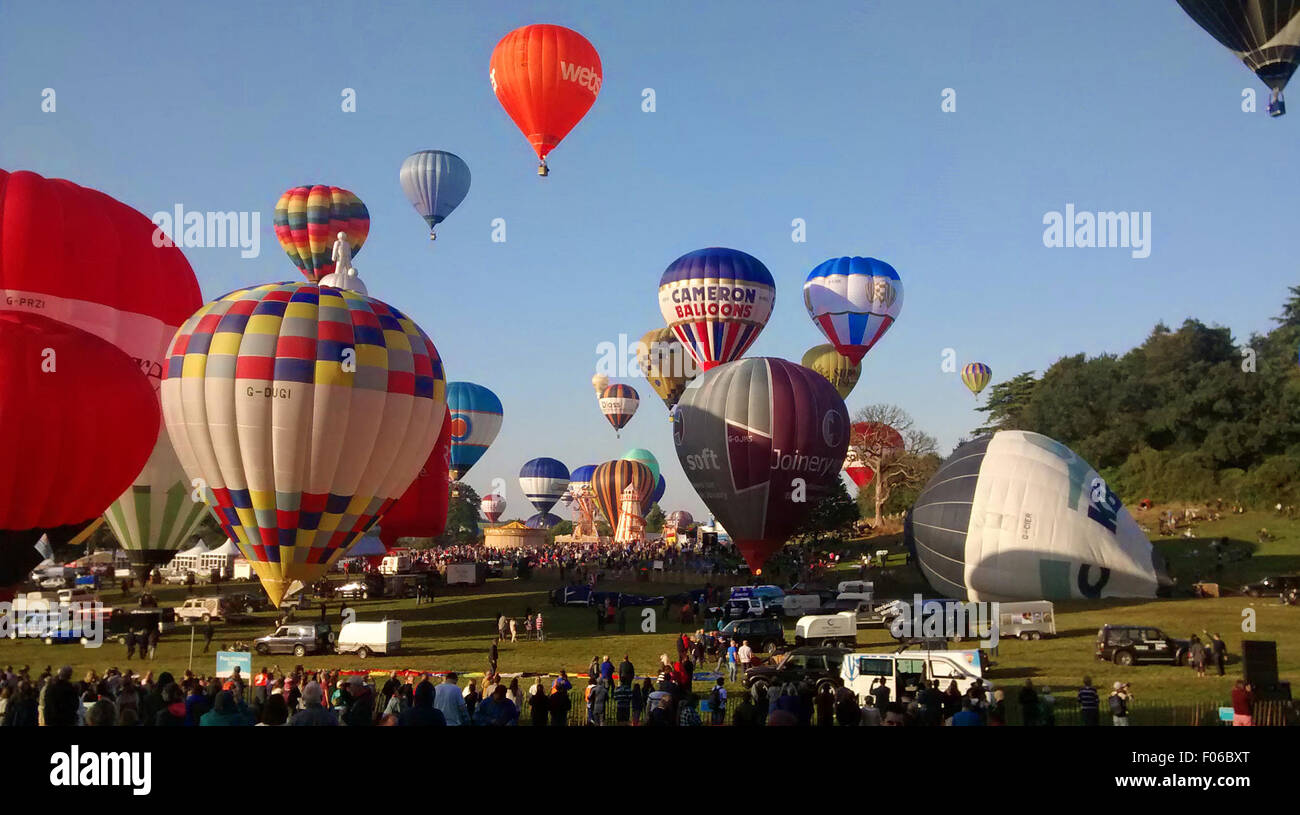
1028	620
364	639
395	564
797	605
827	629
909	669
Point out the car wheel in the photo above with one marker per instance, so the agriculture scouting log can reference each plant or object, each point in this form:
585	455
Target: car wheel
262	649
207	617
363	652
299	651
1025	635
1124	658
1037	635
771	646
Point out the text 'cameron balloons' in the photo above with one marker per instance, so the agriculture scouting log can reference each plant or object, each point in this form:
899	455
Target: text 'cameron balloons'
435	182
976	376
716	301
421	512
842	372
612	477
1264	34
542	520
853	301
618	403
476	417
665	363
1071	537
307	222
762	441
307	411
546	77
79	420
77	256
543	481
645	457
492	506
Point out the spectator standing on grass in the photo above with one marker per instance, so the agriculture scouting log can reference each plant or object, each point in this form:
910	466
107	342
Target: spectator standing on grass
640	696
967	717
1119	704
1219	651
1046	707
1089	704
422	712
208	633
61	702
559	705
538	705
472	697
514	630
1028	699
718	702
314	713
492	659
450	703
880	692
689	716
623	702
1197	656
599	698
1243	700
626	671
846	705
745	715
607	672
825	705
732	661
541	633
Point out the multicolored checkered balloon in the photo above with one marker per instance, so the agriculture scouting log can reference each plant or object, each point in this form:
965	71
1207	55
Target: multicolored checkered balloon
307	222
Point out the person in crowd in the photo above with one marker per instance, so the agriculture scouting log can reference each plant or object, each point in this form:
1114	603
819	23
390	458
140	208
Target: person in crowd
538	703
622	702
1029	707
225	712
314	713
101	714
1219	652
560	703
62	704
690	714
361	708
718	702
745	714
626	671
1120	699
598	697
172	713
1196	656
640	699
847	712
1243	702
1089	704
496	710
274	712
967	716
450	701
422	712
824	703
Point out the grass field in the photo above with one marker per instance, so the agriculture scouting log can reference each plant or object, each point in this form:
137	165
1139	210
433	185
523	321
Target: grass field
454	632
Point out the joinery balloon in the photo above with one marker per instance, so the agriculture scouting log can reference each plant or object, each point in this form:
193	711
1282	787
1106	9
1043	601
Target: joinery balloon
645	457
79	421
307	222
546	77
838	369
77	256
476	417
612	477
1019	516
421	512
976	376
762	441
854	301
543	481
307	411
435	182
1264	34
492	506
665	363
716	301
618	403
542	520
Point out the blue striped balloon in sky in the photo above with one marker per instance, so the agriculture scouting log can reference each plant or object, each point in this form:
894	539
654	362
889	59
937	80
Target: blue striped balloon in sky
543	481
435	182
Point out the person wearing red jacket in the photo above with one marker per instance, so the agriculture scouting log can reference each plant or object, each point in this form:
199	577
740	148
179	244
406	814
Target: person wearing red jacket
1243	699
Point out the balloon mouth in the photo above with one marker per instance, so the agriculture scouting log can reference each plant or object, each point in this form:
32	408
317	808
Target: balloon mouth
854	353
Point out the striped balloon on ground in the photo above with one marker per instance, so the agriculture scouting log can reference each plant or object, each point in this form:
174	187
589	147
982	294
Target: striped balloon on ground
307	412
307	222
716	301
854	301
612	477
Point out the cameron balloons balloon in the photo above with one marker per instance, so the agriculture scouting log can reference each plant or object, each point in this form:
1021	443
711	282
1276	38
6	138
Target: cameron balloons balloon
543	481
308	220
421	512
612	477
716	301
842	372
542	520
618	403
307	412
546	77
762	441
1264	34
475	421
660	488
853	301
492	506
79	420
645	457
975	376
1019	516
666	365
77	256
435	182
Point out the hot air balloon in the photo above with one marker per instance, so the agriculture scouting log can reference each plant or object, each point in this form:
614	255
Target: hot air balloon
660	488
476	417
761	440
853	301
838	369
421	512
543	481
307	411
1264	34
665	363
1018	516
976	376
645	457
307	222
542	520
546	77
79	419
618	403
680	518
581	477
599	382
435	182
716	301
492	506
869	440
612	477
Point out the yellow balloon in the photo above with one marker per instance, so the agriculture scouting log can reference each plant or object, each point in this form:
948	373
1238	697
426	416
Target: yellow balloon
838	369
666	364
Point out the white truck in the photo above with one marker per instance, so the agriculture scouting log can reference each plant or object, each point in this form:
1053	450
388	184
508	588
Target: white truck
1028	620
364	639
395	564
827	629
908	670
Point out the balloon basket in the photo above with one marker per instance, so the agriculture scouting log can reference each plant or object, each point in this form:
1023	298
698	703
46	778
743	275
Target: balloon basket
543	170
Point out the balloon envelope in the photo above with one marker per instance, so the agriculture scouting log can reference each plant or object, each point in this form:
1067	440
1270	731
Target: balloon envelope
716	301
476	417
976	376
421	512
665	363
307	222
745	432
1019	516
618	403
842	372
854	301
492	506
435	182
612	477
1264	34
543	481
660	488
645	457
542	520
581	477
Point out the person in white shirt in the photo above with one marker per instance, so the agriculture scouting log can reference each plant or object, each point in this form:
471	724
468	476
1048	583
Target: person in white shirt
450	703
746	656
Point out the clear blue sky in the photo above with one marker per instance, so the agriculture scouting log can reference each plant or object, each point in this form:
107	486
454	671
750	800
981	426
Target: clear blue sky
766	111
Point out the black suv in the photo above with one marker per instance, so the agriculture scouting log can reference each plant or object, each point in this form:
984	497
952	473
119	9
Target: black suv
766	635
817	665
1132	644
1272	586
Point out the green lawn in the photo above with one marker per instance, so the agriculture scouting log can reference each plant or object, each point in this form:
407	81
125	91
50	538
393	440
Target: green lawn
454	632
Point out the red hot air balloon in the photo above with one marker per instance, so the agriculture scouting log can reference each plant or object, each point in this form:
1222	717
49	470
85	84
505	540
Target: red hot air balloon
79	421
612	477
869	440
421	512
546	77
762	441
